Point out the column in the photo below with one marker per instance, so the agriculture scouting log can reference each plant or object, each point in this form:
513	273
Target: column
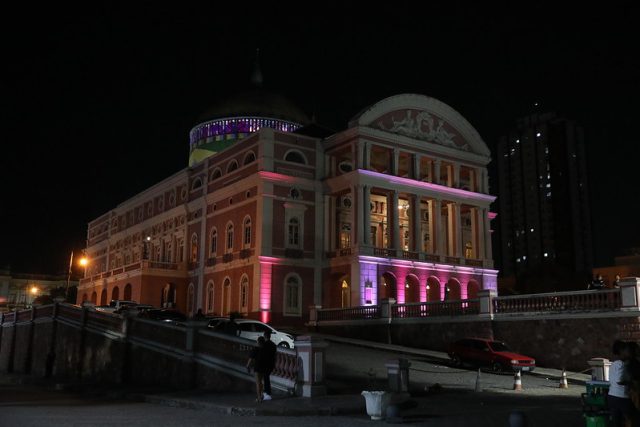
416	167
395	224
396	162
473	180
359	163
366	215
456	175
437	225
481	218
354	215
485	182
475	234
458	231
488	254
451	226
432	227
328	231
436	171
416	239
367	156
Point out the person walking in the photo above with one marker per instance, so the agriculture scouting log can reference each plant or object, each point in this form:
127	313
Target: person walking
256	363
620	406
269	352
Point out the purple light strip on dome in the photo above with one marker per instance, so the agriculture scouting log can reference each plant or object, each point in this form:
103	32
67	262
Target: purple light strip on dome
238	125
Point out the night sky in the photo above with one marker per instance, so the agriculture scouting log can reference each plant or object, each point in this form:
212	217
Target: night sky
96	104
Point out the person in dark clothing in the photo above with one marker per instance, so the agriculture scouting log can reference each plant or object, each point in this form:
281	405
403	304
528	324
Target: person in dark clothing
269	352
231	327
256	363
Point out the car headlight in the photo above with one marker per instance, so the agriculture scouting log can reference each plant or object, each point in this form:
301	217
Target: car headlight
514	362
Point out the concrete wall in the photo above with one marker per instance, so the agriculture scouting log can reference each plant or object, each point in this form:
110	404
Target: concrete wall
554	341
70	350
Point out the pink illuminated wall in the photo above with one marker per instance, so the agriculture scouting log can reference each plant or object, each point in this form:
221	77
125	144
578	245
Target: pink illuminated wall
265	291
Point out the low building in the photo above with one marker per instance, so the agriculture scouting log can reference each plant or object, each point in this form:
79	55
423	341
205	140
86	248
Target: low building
19	290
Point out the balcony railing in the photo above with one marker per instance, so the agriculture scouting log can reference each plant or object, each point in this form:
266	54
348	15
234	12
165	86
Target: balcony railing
350	313
473	262
211	261
227	257
560	301
245	253
410	255
384	252
438	308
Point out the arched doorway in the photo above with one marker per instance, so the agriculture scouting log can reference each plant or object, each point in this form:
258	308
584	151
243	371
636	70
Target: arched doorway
103	297
452	291
345	293
433	289
127	292
411	289
94	298
84	297
168	299
472	289
387	287
115	293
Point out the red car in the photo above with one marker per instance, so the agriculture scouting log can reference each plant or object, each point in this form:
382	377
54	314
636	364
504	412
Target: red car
491	353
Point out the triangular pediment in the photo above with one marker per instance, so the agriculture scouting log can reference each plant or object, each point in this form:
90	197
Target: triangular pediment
425	119
422	125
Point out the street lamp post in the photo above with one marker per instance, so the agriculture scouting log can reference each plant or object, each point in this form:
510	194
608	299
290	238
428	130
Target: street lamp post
83	262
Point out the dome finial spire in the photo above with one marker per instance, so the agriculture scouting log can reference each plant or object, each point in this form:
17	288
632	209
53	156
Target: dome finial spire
256	76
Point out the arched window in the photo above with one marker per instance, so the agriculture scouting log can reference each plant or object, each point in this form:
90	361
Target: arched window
226	299
295	156
103	297
94	298
85	298
217	173
197	183
190	301
214	241
210	297
294	232
233	165
127	292
115	293
247	231
194	247
292	295
244	293
250	157
229	237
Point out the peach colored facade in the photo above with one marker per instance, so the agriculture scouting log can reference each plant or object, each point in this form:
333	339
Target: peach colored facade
396	205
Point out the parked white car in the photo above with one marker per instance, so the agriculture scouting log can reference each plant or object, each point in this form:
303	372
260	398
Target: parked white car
252	329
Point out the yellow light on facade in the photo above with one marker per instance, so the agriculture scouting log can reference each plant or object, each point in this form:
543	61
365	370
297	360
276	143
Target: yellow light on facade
83	261
34	290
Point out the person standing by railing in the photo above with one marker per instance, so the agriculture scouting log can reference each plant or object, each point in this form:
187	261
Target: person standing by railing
269	353
620	406
256	363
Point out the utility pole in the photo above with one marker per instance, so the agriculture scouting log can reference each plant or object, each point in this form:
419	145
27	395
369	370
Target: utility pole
66	292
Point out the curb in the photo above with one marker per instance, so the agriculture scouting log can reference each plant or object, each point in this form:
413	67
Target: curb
248	411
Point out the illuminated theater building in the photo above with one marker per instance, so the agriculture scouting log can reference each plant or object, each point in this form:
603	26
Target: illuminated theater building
267	221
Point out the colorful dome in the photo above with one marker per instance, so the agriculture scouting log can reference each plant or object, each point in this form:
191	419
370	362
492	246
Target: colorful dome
236	117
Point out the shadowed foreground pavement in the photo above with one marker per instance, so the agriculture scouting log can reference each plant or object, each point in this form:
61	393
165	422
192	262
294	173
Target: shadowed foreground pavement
41	405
